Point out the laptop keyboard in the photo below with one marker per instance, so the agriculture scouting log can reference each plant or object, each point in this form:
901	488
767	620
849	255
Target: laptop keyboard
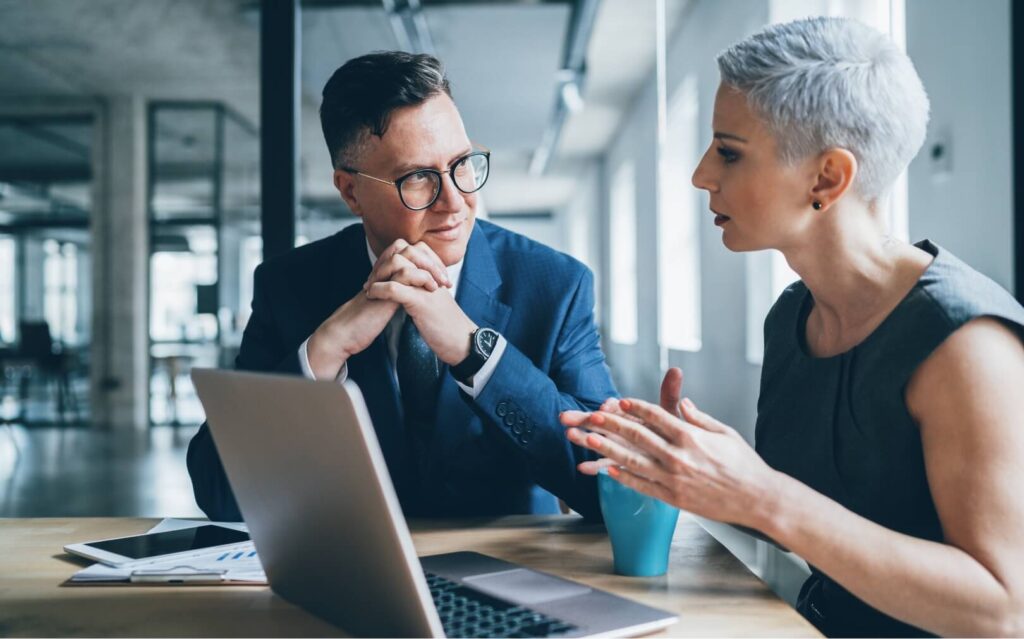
466	612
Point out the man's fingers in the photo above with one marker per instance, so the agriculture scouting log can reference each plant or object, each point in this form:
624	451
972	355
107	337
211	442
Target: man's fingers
671	391
396	247
412	276
392	291
401	256
424	257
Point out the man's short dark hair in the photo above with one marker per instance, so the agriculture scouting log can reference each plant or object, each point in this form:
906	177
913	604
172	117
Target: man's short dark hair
362	94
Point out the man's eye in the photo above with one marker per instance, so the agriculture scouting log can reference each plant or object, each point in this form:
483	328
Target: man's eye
417	178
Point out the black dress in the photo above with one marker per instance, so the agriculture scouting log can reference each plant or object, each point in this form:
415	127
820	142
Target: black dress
841	425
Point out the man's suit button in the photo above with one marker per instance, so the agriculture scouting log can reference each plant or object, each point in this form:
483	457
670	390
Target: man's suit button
524	440
501	409
510	418
517	428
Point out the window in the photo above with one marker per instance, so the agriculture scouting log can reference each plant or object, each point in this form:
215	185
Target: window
60	285
175	276
7	313
623	255
678	228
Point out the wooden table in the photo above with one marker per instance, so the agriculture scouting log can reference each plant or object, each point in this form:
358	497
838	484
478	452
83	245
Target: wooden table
710	590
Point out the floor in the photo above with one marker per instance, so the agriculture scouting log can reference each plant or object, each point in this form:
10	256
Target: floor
87	472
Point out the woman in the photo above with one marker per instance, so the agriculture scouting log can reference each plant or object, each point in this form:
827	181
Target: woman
889	436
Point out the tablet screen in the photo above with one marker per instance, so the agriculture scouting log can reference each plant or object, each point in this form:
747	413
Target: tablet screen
174	541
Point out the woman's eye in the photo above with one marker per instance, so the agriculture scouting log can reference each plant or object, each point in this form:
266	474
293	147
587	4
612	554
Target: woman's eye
728	155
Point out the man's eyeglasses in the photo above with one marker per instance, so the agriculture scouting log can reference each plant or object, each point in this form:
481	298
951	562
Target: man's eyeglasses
419	190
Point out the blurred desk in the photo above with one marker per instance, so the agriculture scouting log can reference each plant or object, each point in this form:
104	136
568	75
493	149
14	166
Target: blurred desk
710	590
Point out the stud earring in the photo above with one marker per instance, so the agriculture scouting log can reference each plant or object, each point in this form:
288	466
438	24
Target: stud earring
817	205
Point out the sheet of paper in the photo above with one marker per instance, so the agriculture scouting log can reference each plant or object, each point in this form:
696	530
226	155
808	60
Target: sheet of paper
240	565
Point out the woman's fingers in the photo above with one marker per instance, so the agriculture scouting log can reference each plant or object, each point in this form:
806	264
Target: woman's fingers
629	457
656	418
594	467
641	484
573	418
581	420
636	434
698	418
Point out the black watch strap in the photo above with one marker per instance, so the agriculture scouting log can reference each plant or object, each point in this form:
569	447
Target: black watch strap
481	344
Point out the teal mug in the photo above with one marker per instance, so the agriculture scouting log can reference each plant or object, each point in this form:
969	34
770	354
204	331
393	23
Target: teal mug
640	528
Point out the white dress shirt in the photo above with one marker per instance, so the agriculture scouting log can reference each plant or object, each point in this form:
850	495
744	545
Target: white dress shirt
392	330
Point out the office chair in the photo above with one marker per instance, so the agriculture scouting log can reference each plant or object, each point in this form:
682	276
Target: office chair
36	346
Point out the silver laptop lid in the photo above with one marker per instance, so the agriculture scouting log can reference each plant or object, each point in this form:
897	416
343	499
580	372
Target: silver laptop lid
315	491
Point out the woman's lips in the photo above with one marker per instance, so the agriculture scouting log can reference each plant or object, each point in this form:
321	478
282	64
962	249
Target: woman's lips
721	219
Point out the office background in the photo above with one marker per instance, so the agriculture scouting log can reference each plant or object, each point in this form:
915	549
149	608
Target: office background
134	204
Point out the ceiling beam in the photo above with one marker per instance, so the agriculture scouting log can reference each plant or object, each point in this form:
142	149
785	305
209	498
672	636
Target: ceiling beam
570	81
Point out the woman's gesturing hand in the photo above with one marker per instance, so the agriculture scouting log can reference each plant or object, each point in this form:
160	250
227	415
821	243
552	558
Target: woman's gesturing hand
696	463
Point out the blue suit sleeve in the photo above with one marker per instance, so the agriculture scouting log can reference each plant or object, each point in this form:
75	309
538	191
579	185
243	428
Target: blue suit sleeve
524	402
262	349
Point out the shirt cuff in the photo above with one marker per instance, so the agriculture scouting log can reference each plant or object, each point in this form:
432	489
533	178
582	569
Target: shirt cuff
484	374
307	370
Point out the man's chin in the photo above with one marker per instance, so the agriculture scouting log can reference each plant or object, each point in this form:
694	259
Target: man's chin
449	252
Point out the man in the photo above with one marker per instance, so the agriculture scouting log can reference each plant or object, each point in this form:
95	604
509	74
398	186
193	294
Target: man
466	340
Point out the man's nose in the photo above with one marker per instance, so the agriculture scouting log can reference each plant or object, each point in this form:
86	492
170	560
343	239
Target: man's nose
449	199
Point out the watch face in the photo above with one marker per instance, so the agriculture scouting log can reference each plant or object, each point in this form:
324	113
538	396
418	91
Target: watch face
486	340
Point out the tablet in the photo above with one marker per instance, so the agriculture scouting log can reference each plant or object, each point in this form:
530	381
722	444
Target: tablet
183	543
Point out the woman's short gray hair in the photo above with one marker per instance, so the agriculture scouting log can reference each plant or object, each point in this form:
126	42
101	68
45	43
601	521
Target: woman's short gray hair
821	83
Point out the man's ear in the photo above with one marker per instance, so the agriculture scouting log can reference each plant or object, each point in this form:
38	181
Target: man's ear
345	182
837	169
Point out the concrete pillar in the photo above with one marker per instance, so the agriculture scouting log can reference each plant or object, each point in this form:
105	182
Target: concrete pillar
120	370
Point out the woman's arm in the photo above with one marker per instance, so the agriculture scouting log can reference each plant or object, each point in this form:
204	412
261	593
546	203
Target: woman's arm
966	397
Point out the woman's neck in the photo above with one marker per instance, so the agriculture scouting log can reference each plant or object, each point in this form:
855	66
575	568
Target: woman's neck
856	273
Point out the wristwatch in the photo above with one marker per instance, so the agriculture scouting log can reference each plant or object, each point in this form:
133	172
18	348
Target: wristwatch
481	344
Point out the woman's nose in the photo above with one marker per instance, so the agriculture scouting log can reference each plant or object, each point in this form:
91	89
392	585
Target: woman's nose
702	177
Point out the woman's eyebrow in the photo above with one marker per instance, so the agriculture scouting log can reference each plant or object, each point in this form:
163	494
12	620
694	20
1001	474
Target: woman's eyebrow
721	135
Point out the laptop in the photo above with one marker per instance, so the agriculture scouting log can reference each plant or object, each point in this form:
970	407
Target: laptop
311	482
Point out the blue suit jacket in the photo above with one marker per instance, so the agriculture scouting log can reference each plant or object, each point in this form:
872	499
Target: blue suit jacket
487	456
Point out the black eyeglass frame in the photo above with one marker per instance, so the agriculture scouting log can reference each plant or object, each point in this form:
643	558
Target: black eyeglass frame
484	151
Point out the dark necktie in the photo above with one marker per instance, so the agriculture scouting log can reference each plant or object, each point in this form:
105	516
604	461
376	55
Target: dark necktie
419	375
